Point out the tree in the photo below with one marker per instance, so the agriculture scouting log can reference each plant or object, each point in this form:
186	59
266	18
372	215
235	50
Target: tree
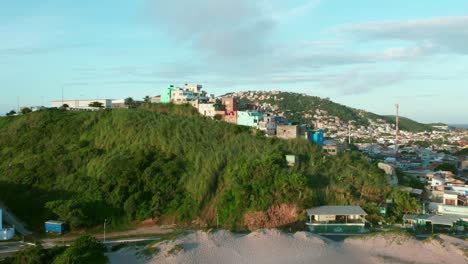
447	167
96	104
25	110
34	255
11	113
147	99
218	117
129	101
84	250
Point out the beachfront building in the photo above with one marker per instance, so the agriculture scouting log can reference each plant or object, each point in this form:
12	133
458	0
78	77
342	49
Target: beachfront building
336	219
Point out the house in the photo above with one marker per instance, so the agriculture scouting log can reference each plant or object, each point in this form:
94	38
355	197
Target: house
166	94
336	219
6	233
249	118
207	109
450	198
437	181
291	131
331	147
455	222
155	99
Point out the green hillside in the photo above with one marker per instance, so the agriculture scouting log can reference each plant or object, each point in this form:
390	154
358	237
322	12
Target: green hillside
295	105
167	162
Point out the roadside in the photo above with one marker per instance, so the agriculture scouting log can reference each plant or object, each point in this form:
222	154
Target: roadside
142	231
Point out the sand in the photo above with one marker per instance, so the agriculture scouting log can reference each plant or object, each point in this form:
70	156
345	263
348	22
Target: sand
273	246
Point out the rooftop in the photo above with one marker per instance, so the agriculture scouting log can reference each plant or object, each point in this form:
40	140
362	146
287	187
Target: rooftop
337	210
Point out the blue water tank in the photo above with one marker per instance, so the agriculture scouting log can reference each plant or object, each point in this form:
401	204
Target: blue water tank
55	227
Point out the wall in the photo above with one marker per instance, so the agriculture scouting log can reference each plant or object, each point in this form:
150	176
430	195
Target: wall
107	103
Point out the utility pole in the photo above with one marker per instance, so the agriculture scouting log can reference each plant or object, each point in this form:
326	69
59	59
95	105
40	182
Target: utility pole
349	132
397	106
105	221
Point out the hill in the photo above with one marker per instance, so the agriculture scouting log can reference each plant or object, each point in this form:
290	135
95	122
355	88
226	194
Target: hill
168	163
301	108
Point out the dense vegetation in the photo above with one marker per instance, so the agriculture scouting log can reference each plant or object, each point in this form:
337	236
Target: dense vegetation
294	105
84	250
167	162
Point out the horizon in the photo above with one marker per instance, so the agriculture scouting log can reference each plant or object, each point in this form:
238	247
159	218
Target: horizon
370	59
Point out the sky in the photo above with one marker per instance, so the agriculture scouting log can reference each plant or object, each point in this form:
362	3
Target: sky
365	54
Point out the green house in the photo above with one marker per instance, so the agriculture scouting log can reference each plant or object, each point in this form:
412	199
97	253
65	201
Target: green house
336	219
166	94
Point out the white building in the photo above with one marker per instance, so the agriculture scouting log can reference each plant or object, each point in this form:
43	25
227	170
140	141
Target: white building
5	233
207	109
82	104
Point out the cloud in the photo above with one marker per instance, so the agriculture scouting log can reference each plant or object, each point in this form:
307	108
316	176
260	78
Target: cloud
30	50
299	11
221	28
442	34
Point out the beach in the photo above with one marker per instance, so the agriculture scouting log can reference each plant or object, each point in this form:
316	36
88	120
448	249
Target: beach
273	246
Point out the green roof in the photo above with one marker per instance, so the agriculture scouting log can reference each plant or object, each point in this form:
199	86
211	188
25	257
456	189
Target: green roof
337	210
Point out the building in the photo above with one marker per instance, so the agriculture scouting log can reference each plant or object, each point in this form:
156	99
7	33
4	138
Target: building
120	103
454	222
82	104
207	109
291	131
155	99
249	118
6	233
166	94
331	147
55	227
292	160
336	219
316	137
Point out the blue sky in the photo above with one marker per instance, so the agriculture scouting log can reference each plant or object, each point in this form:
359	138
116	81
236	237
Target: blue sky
363	53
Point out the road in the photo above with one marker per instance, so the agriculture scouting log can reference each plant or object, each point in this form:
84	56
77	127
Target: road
8	217
8	249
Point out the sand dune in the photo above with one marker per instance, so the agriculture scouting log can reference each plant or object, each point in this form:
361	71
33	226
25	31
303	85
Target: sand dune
272	246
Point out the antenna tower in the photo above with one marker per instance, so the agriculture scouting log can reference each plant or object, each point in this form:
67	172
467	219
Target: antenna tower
397	123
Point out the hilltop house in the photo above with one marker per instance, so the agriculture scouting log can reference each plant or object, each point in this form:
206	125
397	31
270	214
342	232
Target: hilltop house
336	219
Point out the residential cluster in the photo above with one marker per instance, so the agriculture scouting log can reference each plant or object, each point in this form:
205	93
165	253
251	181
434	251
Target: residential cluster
232	109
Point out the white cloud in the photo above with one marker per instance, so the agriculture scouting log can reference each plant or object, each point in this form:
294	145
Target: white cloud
442	34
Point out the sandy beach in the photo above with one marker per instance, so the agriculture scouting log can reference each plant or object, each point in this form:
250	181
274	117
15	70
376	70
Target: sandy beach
273	246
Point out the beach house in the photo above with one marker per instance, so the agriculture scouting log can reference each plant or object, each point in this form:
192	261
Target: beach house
336	219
